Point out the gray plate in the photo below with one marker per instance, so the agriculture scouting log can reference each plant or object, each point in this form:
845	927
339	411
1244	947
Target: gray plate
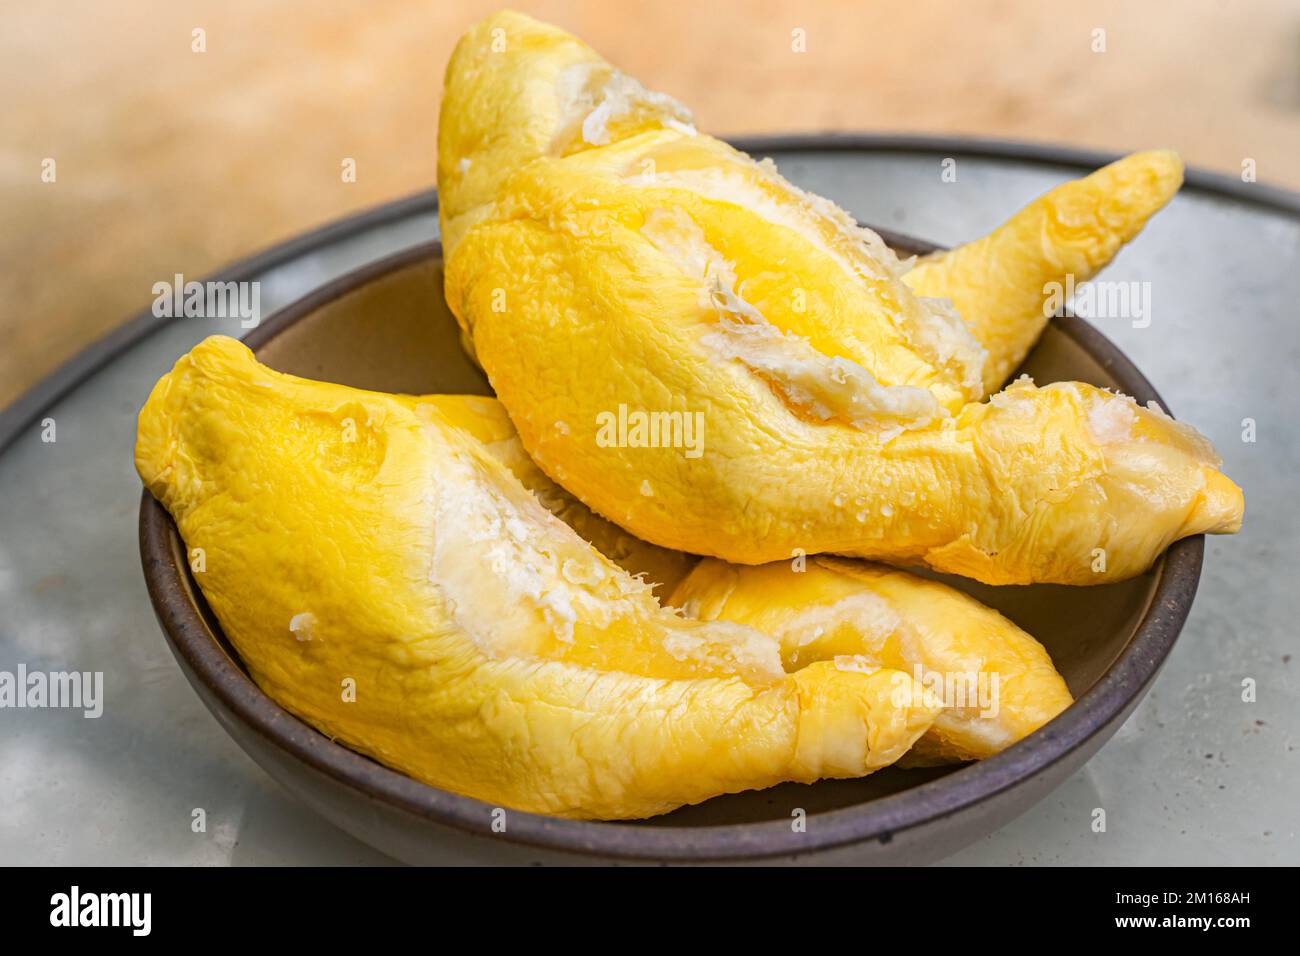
123	788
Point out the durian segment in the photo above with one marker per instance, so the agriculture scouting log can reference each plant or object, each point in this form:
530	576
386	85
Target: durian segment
998	683
1066	483
1000	284
663	272
387	579
512	145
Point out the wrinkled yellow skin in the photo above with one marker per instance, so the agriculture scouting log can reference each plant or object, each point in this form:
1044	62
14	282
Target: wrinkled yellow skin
834	609
997	282
352	535
634	263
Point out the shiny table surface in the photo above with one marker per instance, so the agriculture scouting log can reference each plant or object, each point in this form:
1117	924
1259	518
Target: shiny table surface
1197	774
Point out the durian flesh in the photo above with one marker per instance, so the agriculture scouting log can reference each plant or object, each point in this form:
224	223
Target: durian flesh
602	254
997	683
395	569
388	579
998	283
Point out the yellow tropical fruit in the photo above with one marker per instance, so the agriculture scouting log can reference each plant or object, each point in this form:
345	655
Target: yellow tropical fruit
611	266
997	683
388	579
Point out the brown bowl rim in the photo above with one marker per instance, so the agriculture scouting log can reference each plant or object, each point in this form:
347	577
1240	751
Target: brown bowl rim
191	631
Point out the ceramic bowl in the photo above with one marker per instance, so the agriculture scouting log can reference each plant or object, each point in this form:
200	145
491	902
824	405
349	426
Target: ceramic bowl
387	327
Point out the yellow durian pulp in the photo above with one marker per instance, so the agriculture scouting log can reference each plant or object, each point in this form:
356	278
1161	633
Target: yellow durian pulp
497	599
604	255
998	684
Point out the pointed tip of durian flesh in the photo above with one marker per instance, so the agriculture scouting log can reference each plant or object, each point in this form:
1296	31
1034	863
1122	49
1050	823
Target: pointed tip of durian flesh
517	89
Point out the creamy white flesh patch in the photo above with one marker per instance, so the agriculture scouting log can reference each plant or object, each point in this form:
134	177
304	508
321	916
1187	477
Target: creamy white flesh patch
1113	417
302	625
822	386
515	578
1111	420
931	326
868	614
592	96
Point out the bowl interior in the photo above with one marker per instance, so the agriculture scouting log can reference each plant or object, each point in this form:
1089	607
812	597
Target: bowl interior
395	333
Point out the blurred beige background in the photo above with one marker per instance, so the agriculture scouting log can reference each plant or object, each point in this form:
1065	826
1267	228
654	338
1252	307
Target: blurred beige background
169	160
